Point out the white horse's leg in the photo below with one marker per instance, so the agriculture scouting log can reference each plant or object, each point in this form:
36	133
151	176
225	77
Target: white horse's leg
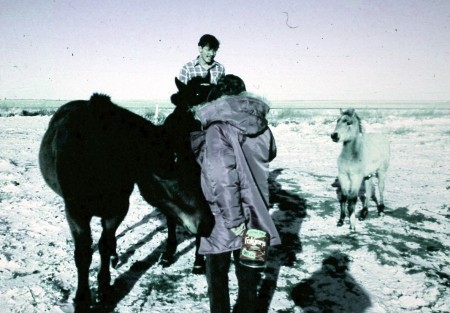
343	196
368	184
343	204
352	198
374	196
362	194
381	183
351	203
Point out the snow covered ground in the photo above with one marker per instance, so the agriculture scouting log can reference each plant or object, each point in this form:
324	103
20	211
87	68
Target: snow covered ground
396	263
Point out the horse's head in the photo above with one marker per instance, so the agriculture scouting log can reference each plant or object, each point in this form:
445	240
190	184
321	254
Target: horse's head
180	196
348	126
181	121
193	93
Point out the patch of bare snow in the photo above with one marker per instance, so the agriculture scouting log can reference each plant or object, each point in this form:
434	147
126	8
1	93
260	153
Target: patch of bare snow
397	263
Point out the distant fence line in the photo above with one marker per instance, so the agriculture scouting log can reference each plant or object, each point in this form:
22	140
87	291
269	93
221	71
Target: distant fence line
276	105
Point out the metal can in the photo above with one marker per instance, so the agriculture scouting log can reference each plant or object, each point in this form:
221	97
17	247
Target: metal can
254	251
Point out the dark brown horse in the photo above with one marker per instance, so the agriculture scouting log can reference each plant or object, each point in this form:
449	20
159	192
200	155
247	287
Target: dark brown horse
179	124
92	154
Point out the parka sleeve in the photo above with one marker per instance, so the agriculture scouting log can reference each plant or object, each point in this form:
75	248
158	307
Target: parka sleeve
220	167
272	147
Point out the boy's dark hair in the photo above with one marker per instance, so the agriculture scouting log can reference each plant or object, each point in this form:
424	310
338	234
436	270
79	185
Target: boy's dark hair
209	40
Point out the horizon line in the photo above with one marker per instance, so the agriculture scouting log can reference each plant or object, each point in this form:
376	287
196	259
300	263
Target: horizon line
278	100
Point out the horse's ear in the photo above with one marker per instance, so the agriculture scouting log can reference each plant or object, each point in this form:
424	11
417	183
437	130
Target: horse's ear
180	85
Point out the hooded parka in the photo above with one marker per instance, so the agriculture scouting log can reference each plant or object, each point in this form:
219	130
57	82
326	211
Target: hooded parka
234	150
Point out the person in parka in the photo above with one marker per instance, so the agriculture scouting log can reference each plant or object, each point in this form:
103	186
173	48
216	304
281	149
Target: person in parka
234	150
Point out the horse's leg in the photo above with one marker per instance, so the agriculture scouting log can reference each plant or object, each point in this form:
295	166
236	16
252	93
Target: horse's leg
362	194
168	257
337	185
108	256
381	183
366	187
81	233
342	193
374	196
343	204
199	263
351	203
352	198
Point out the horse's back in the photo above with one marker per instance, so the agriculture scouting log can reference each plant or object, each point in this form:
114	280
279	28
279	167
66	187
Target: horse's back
91	147
377	153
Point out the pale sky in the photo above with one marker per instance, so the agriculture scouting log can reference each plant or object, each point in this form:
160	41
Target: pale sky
284	50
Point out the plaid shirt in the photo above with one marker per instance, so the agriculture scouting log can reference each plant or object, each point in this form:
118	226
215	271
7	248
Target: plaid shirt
193	69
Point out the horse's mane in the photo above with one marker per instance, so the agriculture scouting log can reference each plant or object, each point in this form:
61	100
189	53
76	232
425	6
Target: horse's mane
361	128
351	113
99	97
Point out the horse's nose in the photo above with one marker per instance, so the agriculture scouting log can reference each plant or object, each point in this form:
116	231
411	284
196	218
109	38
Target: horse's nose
335	137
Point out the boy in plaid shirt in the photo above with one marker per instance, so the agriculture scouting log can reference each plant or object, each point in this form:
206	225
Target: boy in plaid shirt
204	63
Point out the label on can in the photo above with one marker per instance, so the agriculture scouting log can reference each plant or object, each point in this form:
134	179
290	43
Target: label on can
254	248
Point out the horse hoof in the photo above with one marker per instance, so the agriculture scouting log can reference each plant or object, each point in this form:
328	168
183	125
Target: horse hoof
105	295
199	267
78	307
363	214
166	260
340	223
83	299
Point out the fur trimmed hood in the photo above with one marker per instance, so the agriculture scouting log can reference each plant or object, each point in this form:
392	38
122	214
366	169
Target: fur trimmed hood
245	112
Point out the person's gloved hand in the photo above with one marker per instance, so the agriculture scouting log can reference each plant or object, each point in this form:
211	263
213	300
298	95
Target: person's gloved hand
238	230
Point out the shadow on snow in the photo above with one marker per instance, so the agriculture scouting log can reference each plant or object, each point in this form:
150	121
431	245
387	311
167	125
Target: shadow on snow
331	289
288	219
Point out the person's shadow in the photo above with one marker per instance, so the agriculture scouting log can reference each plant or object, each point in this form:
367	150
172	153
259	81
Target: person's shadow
331	289
288	220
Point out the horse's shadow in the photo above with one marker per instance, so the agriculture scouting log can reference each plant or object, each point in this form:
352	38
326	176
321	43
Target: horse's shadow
288	219
332	289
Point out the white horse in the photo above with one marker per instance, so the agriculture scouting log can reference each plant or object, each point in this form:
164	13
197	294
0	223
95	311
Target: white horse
363	157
